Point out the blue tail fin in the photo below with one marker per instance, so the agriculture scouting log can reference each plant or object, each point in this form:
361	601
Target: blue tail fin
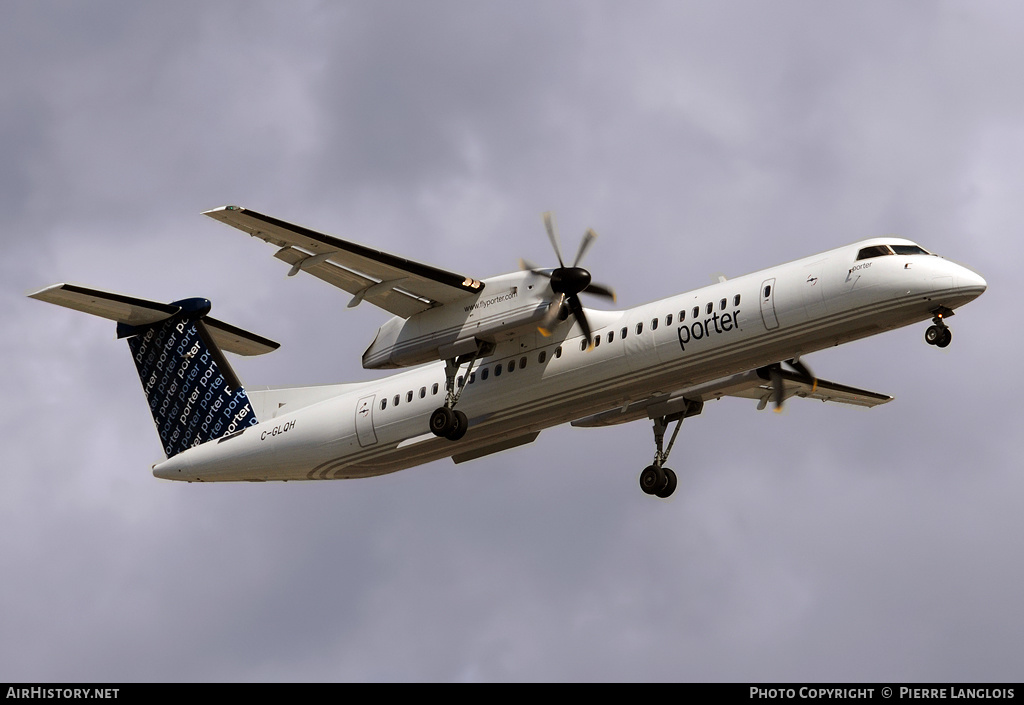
192	391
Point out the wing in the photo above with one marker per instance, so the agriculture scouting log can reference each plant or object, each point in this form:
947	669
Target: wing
393	283
748	385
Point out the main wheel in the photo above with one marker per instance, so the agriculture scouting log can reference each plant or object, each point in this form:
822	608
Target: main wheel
652	479
933	335
945	339
670	484
442	421
461	426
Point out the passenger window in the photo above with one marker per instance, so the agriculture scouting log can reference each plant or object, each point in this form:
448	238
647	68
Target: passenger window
396	400
583	345
408	396
622	333
736	300
696	311
768	291
597	340
511	365
668	320
522	362
497	370
611	336
383	404
639	328
558	351
654	324
433	390
722	304
542	356
472	377
484	372
682	315
709	307
423	392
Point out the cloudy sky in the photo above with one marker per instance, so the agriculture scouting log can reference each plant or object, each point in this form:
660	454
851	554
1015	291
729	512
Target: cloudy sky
697	138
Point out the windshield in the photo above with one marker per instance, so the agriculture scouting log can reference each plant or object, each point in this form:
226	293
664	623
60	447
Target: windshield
881	250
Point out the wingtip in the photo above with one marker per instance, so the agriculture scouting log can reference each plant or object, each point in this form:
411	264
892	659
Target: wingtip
214	211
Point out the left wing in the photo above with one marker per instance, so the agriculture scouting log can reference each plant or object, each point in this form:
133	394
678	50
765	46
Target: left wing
750	385
393	283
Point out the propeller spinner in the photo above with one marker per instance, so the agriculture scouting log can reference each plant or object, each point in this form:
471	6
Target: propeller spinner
568	282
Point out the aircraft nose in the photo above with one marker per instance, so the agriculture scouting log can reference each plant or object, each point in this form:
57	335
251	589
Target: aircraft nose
971	282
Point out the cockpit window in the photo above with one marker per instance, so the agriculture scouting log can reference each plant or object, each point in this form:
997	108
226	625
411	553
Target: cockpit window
909	250
874	251
880	250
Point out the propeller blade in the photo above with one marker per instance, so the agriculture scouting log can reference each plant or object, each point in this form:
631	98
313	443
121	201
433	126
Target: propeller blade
600	290
552	228
528	266
804	372
588	238
581	317
778	386
550	319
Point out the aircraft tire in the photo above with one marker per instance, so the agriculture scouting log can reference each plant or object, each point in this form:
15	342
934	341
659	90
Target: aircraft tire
442	421
461	426
945	339
652	479
671	481
933	335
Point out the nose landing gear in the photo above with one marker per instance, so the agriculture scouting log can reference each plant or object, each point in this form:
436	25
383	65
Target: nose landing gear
938	334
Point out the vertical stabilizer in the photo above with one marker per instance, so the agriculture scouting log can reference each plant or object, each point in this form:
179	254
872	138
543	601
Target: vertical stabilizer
193	393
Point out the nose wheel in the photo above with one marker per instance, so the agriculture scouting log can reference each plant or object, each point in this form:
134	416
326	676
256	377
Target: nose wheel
939	334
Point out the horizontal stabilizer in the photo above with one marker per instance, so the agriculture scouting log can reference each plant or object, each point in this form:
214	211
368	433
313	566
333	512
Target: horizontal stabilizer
115	307
193	394
139	313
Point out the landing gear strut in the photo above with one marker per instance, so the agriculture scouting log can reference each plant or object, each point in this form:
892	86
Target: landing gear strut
447	421
656	479
938	334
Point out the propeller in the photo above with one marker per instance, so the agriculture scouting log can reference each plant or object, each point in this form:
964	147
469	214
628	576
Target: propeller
567	282
776	374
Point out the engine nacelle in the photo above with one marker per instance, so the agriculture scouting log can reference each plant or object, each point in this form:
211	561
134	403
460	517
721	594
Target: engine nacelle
509	305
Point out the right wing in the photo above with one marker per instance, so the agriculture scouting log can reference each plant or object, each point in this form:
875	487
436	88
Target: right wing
395	284
749	385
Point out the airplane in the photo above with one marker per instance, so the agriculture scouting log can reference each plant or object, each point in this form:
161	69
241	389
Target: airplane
495	361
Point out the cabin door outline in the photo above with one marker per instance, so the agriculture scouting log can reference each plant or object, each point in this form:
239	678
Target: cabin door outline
771	322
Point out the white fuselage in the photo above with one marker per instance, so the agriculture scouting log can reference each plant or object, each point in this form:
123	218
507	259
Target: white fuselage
381	426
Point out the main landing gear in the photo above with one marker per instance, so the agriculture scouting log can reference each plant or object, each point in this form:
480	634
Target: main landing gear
447	421
656	479
938	334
